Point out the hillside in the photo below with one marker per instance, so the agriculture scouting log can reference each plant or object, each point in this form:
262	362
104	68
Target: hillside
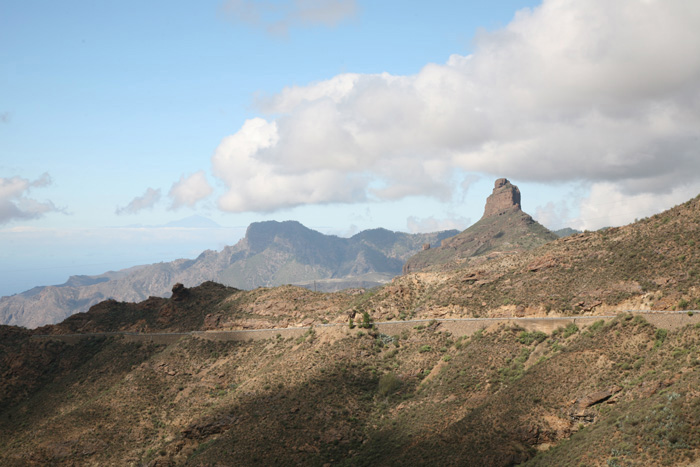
625	393
271	253
651	264
615	392
503	229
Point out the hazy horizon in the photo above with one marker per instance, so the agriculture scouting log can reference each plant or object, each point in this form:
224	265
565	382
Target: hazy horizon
343	114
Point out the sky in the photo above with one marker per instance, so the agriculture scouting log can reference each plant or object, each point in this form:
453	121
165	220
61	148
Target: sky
118	119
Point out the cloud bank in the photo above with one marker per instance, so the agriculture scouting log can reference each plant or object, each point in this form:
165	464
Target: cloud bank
606	93
278	17
15	203
145	201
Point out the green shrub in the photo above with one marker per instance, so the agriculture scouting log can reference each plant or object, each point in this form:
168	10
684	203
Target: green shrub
425	348
389	383
569	330
660	337
528	338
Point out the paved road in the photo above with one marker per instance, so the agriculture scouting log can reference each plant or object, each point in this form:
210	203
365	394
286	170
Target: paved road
457	326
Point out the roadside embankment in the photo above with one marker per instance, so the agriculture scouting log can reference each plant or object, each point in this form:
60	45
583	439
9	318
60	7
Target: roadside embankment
457	327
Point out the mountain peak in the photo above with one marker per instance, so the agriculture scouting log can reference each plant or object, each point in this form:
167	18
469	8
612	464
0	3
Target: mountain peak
504	229
505	197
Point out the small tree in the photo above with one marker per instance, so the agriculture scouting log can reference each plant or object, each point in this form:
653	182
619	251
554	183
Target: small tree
366	321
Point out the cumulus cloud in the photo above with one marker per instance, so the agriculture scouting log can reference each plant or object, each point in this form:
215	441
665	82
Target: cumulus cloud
188	191
16	204
608	205
277	17
554	215
145	201
604	93
431	224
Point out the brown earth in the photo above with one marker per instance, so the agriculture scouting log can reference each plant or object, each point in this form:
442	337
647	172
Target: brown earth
418	396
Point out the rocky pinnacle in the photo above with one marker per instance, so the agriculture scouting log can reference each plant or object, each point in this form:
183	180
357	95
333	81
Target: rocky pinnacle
505	197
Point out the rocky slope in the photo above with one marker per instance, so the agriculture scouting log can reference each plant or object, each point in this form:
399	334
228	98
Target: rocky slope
651	264
619	392
616	393
272	253
504	229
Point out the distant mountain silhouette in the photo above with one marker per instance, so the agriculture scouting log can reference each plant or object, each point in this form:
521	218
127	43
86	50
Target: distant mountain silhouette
271	253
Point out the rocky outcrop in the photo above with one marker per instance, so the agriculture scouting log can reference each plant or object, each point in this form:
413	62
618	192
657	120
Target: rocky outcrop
579	409
505	197
180	292
504	229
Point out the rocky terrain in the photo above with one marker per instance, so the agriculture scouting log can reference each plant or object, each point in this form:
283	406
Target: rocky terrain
613	392
625	394
271	253
504	229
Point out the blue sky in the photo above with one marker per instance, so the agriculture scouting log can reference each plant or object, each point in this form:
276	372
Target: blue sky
117	118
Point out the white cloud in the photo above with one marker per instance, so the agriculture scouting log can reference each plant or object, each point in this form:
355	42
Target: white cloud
608	205
553	215
279	16
15	203
145	201
188	191
590	91
431	224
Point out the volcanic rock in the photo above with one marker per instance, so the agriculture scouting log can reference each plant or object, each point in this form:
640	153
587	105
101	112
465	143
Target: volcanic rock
505	197
504	229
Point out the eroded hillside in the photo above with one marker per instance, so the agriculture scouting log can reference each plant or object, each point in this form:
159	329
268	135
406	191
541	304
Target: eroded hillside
625	392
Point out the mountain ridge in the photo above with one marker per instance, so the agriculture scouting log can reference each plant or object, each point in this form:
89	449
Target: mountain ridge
271	253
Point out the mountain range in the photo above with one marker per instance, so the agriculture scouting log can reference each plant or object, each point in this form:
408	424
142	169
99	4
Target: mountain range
271	253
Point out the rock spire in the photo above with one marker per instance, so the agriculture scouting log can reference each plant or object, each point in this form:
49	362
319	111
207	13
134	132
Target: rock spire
505	197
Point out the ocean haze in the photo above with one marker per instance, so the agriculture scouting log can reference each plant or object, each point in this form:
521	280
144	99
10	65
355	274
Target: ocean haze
40	257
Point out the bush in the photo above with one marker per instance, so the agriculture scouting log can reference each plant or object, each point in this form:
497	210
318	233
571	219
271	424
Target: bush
389	383
660	337
528	338
425	348
569	330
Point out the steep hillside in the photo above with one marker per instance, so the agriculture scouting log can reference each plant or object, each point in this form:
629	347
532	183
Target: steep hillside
616	393
272	253
651	264
504	229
